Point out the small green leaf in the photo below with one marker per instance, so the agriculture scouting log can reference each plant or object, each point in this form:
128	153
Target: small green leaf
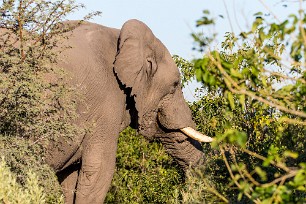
240	196
204	63
241	138
258	14
205	77
235	73
300	178
261	173
198	74
212	80
262	35
264	81
267	161
206	11
301	188
254	71
244	35
242	101
293	155
257	23
231	100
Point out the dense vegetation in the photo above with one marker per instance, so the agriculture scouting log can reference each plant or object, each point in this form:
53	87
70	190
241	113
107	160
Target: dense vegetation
35	105
256	108
252	100
145	172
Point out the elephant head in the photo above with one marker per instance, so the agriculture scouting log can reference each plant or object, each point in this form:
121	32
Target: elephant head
146	70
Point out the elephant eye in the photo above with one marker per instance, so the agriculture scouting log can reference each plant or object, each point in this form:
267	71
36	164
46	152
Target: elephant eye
174	87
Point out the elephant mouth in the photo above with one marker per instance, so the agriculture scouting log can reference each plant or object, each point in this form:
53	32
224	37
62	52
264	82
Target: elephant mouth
150	128
188	131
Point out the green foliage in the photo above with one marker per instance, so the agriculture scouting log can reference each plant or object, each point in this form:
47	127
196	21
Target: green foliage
31	192
35	103
22	157
145	173
200	188
201	40
255	108
252	65
186	68
36	107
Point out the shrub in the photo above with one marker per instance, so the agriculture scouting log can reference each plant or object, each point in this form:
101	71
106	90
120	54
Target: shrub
30	193
36	106
145	173
258	121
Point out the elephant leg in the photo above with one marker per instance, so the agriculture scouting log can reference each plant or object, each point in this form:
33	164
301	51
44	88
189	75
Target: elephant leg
98	166
68	179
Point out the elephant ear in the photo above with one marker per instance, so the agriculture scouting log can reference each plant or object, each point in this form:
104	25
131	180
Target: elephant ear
131	65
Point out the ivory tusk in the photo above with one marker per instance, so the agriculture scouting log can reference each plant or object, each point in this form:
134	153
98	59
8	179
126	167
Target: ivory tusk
196	135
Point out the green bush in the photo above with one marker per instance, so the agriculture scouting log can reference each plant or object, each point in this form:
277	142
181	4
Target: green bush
36	106
24	157
258	155
30	193
145	173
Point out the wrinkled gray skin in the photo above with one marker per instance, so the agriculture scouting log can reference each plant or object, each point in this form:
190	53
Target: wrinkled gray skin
126	77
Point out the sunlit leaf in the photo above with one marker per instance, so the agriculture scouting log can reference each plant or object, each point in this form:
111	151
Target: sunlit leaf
231	101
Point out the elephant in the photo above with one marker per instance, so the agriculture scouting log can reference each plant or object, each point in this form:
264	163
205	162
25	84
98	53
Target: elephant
126	77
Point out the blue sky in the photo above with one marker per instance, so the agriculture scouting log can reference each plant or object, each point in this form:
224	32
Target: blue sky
172	21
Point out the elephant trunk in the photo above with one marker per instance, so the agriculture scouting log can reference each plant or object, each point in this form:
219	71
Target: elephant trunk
185	151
